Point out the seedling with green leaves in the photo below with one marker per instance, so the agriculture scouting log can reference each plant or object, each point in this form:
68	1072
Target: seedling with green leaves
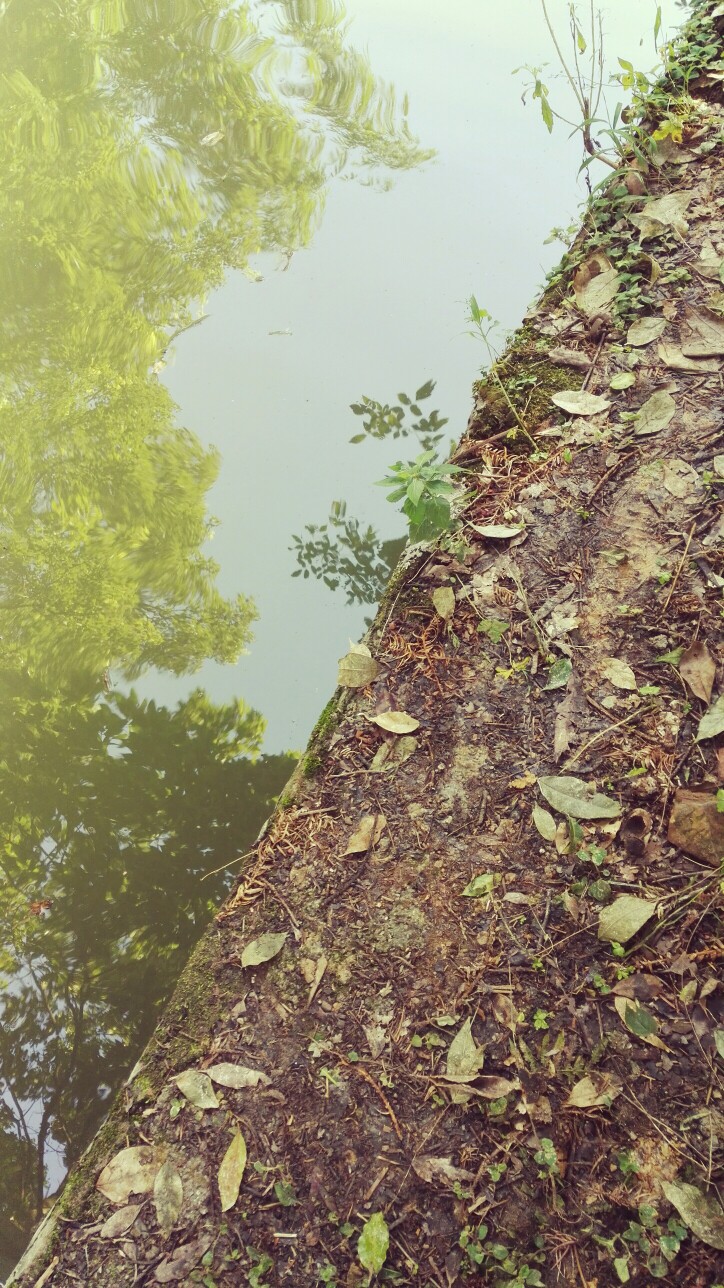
425	489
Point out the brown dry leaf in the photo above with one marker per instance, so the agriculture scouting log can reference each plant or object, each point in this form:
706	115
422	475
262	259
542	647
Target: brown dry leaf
237	1076
641	987
701	1212
395	722
597	293
367	834
702	333
492	1088
505	1011
698	669
196	1087
696	826
120	1222
618	673
655	414
709	262
676	360
357	668
664	212
624	918
645	330
437	1170
177	1267
577	402
594	1090
132	1171
720	763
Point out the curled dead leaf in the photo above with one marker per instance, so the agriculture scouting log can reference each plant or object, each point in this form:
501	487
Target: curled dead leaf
367	834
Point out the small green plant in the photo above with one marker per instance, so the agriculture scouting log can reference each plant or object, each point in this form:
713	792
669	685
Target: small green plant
484	325
261	1262
546	1157
540	1019
628	1166
502	1267
424	487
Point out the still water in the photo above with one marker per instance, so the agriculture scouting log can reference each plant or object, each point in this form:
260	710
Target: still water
221	225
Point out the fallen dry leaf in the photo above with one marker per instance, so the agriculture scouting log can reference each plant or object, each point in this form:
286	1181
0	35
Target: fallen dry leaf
696	826
577	402
645	330
367	834
676	360
594	1090
702	333
444	602
395	721
435	1170
263	949
132	1171
655	414
698	669
623	919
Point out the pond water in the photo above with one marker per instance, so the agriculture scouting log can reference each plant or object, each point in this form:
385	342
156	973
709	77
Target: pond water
222	224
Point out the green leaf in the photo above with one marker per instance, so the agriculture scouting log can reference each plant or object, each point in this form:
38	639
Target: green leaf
373	1243
482	885
673	657
559	674
545	823
640	1021
624	918
712	722
425	390
546	112
577	798
494	629
231	1172
702	1214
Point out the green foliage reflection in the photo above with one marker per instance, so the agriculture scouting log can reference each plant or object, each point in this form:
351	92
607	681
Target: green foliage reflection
146	147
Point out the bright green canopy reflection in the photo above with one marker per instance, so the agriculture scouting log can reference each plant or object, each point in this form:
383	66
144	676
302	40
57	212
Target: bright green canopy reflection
146	147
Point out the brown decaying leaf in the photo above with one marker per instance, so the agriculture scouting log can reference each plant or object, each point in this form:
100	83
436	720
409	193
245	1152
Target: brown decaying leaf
696	826
702	333
437	1170
367	834
698	669
120	1222
673	357
597	1089
177	1267
131	1171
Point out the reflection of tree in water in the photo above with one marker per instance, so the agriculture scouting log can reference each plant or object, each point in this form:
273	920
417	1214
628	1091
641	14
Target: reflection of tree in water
145	149
112	813
343	554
